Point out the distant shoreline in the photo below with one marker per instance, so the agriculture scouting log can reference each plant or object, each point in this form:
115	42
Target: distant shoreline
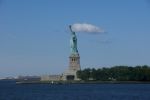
76	82
82	82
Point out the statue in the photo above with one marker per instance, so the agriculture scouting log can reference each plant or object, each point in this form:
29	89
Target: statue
73	42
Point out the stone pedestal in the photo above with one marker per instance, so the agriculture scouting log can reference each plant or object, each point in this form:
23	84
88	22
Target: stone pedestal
74	66
74	62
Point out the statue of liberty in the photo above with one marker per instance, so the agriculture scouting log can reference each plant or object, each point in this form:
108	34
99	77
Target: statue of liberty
73	42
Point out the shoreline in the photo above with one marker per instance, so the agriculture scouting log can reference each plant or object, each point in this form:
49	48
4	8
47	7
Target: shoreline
82	82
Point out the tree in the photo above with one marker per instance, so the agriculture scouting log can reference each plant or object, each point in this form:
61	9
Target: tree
118	73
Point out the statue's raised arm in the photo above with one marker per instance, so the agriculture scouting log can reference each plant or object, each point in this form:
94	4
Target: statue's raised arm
70	27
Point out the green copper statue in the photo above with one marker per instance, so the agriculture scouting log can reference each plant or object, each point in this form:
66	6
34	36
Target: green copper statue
73	42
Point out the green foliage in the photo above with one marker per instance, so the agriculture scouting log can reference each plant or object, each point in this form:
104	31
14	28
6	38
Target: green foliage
116	73
84	75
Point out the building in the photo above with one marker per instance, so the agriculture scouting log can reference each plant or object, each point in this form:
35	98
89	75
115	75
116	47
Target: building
28	78
51	77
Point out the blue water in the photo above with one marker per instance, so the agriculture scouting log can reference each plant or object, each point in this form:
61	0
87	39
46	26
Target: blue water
12	91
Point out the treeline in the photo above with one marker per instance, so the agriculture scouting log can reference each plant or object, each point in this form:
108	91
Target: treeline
116	73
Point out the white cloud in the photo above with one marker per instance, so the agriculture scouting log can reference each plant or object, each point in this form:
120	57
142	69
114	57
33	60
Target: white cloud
84	27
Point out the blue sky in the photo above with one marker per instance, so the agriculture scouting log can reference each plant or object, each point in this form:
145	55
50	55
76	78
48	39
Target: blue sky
34	39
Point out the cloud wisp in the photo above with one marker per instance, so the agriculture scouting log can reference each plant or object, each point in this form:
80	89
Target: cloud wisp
88	28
